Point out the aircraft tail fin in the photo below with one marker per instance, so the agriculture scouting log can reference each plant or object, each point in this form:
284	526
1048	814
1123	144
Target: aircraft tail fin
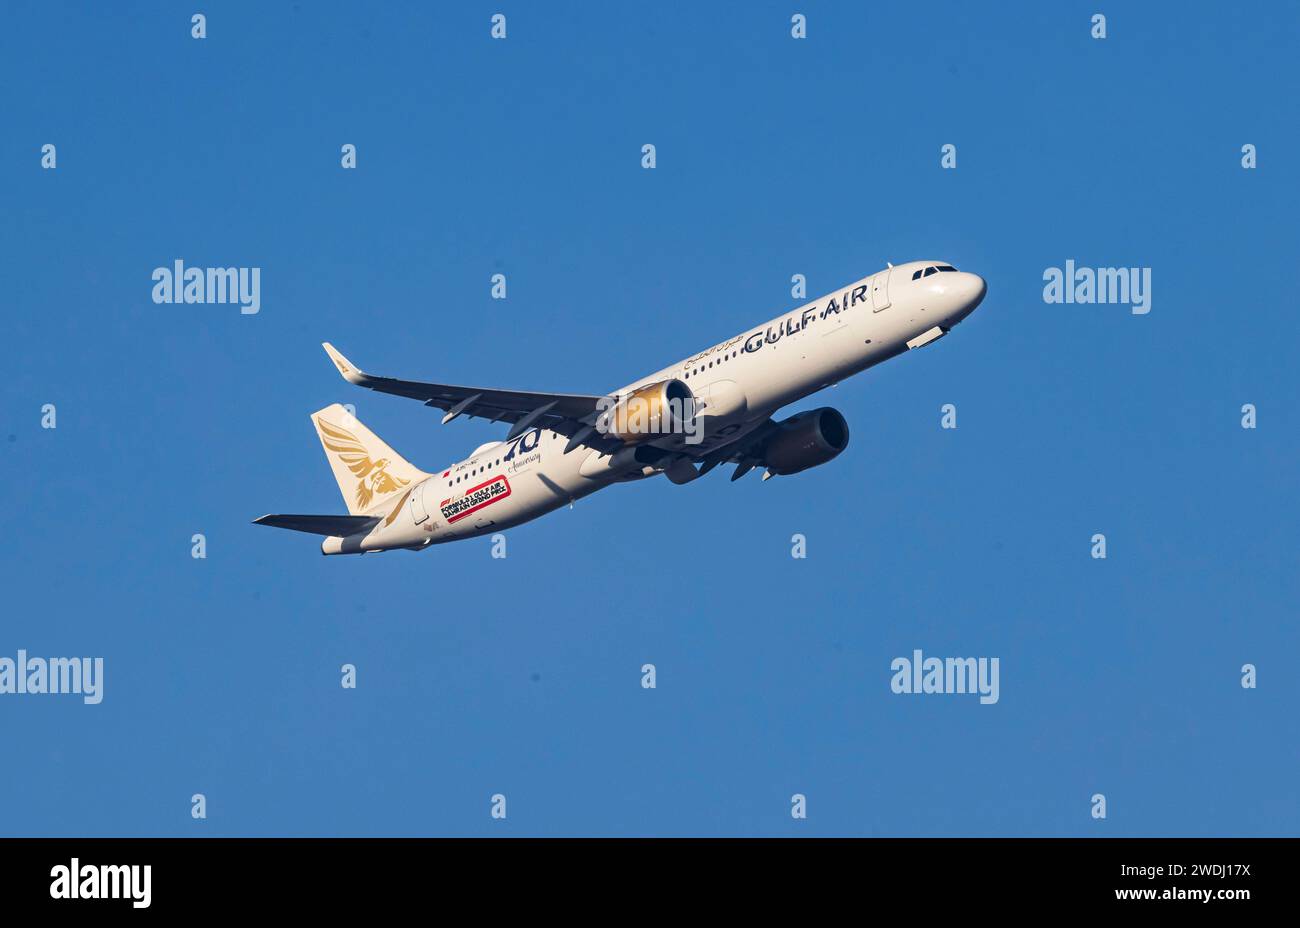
368	471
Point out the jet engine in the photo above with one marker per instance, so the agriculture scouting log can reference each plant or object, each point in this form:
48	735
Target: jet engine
805	440
650	412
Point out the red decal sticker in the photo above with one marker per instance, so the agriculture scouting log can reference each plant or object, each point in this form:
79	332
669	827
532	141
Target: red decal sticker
475	498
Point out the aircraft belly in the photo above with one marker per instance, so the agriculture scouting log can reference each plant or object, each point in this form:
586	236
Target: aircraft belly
532	486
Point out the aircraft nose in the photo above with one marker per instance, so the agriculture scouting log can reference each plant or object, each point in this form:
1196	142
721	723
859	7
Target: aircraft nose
969	290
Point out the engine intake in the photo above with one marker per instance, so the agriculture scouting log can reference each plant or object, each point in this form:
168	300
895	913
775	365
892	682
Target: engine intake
806	440
650	412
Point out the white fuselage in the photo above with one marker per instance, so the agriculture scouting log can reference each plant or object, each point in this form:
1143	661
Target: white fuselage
741	383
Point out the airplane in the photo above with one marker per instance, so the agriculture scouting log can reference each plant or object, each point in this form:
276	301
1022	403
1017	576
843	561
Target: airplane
712	408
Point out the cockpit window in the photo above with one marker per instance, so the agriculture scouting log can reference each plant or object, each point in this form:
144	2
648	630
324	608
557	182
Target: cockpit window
917	275
947	267
929	271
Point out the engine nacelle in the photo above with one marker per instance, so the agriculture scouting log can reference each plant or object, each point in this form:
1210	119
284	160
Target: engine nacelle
650	412
806	440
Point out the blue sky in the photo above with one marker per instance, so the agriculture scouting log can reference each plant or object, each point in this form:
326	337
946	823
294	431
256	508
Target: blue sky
522	676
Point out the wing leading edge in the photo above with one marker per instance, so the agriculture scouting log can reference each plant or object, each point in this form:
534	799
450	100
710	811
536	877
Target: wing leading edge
498	405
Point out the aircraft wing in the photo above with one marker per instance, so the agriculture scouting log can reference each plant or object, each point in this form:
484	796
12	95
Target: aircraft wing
497	405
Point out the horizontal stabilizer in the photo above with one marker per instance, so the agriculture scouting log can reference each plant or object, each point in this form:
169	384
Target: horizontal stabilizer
342	526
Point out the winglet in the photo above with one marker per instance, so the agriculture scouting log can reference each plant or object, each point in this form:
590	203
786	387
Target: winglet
351	373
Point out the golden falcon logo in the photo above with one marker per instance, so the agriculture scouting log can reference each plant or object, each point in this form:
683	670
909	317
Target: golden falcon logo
372	478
